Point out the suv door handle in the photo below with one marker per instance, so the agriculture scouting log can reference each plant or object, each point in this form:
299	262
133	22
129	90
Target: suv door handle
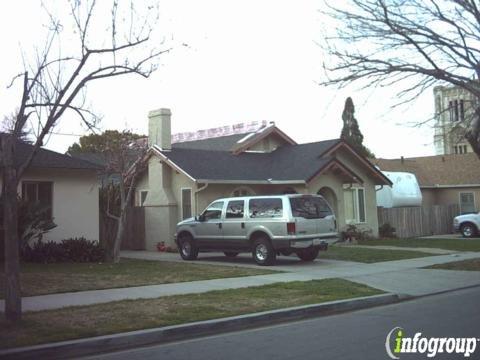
219	225
242	225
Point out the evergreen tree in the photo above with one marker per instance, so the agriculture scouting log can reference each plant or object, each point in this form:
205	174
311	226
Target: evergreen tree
351	132
99	143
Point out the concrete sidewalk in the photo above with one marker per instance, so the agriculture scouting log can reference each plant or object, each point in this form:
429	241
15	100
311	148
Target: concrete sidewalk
402	276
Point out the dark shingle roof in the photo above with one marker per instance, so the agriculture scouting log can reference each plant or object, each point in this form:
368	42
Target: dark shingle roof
289	162
461	169
222	143
50	159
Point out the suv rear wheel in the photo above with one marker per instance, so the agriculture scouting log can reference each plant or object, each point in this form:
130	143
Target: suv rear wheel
468	230
308	254
263	252
188	249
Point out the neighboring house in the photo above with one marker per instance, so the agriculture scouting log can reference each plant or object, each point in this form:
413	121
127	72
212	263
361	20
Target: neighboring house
443	179
184	177
68	186
454	108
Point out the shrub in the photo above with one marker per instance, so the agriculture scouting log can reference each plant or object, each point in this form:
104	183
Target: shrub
44	252
33	222
387	231
352	232
83	250
70	250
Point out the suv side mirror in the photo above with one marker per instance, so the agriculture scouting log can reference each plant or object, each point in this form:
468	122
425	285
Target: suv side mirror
200	218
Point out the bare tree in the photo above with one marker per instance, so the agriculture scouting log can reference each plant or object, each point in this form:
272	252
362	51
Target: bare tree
55	83
125	157
415	42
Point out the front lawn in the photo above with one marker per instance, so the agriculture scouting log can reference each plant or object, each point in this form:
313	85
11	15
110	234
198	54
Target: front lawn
40	279
469	265
121	316
364	255
447	244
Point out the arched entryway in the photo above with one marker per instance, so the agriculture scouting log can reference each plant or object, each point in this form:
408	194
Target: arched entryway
330	196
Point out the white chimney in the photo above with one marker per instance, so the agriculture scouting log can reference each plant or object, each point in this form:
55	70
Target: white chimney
159	128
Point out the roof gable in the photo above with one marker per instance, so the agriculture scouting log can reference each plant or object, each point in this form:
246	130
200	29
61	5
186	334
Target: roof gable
253	139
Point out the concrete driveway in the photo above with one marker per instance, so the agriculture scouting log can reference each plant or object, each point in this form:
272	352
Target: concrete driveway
283	263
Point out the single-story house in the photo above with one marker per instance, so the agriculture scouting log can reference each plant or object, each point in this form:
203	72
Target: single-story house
443	179
69	186
183	178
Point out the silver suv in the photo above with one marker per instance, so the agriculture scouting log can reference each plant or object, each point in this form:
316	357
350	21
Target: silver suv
265	225
467	224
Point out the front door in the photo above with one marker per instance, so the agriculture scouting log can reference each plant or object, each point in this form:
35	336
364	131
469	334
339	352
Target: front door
234	232
209	231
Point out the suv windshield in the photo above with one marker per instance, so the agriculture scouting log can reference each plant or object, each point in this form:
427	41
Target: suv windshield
310	207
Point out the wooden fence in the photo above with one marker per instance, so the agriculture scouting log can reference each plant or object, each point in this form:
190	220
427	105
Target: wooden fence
419	221
134	235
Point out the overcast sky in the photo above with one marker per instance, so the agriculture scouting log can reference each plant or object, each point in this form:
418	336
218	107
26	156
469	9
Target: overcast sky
245	60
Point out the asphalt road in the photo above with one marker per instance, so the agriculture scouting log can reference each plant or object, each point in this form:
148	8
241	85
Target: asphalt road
356	335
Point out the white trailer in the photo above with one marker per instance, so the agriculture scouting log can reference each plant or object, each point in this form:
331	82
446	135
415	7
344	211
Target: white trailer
405	191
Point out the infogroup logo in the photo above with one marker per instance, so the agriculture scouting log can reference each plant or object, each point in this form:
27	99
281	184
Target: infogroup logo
397	343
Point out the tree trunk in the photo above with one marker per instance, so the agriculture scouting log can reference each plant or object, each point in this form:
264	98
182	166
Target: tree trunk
473	134
13	301
118	238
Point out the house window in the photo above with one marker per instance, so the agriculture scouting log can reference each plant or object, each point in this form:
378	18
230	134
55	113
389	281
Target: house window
142	197
354	205
467	202
40	192
242	191
186	203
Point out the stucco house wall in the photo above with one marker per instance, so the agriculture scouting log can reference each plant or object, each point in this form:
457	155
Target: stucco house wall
449	196
75	202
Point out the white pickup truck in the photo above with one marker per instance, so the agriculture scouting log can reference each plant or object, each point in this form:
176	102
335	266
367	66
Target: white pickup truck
468	224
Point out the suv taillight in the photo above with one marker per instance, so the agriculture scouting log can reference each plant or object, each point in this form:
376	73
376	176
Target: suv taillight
291	229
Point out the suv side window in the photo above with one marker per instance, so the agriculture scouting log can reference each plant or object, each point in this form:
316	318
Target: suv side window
309	207
214	211
265	208
235	209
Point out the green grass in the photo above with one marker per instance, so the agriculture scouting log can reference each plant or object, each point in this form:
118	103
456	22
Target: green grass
40	279
352	253
447	244
95	320
469	265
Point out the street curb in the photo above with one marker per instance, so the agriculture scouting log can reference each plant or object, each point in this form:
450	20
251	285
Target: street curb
106	343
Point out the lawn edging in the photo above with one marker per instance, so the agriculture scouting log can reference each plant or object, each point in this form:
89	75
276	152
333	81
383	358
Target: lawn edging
106	343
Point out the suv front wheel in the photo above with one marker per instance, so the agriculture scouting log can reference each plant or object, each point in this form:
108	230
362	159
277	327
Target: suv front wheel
468	230
188	249
263	252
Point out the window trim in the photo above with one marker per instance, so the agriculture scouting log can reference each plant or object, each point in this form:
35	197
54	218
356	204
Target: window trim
191	202
243	187
460	200
356	206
